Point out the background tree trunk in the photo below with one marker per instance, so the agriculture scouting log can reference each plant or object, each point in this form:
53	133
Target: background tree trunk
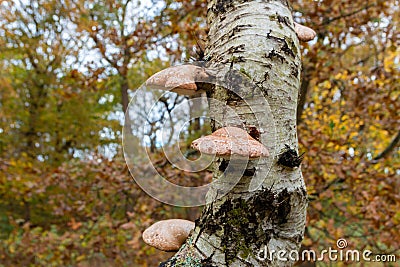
257	39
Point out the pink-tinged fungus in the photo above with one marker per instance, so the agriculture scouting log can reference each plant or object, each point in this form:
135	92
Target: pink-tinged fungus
304	33
230	141
168	235
179	79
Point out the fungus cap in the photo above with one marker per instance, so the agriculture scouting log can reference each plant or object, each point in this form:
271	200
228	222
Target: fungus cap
179	79
168	235
304	33
230	141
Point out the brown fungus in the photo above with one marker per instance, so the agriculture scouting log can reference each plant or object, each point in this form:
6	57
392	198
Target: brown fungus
179	79
168	235
304	33
230	141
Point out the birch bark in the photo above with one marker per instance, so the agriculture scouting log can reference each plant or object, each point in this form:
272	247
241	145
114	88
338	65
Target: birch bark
266	211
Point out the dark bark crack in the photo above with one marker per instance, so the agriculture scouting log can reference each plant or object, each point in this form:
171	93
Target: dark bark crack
274	55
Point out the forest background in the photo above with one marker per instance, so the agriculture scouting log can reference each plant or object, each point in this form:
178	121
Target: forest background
68	69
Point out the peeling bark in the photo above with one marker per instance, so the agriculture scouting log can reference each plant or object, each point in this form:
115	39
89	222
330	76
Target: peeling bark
258	40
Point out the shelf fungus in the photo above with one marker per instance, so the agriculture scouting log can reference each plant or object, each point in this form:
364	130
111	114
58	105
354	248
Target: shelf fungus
230	141
168	235
179	79
304	33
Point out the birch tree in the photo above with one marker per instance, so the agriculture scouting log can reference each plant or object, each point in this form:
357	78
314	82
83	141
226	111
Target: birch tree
266	211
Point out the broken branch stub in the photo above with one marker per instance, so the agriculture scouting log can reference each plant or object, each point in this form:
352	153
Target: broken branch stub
179	79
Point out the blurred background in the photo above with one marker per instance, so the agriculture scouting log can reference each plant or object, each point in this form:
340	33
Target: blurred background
68	69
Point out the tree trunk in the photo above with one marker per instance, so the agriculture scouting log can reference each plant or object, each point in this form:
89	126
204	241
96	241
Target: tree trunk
124	93
123	72
266	210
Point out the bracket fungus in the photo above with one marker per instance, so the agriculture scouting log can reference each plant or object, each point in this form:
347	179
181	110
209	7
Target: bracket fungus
179	79
230	141
304	33
168	235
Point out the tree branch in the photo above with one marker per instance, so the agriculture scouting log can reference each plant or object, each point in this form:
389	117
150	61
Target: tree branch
102	49
390	147
366	7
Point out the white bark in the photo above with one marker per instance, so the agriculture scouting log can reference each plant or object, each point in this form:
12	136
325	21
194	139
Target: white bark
256	38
